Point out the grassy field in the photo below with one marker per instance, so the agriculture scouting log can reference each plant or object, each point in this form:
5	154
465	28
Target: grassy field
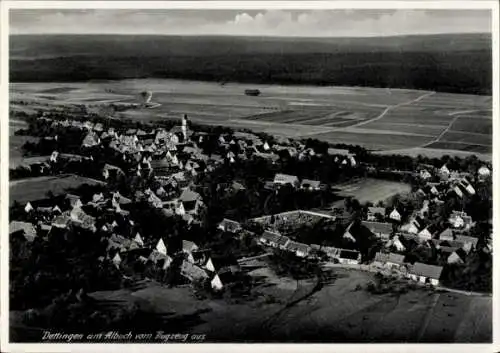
34	189
16	142
371	190
336	313
378	119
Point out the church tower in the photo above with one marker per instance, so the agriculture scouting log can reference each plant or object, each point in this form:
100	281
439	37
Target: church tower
184	127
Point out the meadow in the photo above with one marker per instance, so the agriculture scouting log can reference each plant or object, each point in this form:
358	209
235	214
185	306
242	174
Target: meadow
34	189
339	312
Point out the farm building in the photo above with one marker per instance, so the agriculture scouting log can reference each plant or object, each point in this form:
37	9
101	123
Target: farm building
274	240
457	257
395	215
380	229
446	234
310	184
469	243
396	243
390	260
283	179
192	272
228	225
299	249
425	273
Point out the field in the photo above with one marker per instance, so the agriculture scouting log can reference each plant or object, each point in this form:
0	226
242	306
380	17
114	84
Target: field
34	189
16	142
371	190
378	119
336	313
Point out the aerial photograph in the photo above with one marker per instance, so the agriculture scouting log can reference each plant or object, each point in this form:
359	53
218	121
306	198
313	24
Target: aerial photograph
250	176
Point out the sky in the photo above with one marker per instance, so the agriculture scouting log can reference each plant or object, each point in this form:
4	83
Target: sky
295	23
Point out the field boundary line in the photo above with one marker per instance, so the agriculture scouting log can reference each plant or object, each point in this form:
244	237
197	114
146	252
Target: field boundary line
389	108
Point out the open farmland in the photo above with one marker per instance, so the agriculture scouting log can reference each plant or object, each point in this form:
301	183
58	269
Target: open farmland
34	189
378	119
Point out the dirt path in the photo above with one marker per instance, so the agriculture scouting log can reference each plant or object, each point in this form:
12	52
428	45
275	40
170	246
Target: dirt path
442	132
392	107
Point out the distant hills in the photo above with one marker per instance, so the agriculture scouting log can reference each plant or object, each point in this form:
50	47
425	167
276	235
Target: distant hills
451	63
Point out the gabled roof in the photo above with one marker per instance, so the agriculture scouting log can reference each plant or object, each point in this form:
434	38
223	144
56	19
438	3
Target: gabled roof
270	237
285	178
429	271
295	246
230	225
465	239
189	195
375	210
311	183
189	246
378	227
390	257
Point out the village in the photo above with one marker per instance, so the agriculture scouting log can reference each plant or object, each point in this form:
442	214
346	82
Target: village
165	166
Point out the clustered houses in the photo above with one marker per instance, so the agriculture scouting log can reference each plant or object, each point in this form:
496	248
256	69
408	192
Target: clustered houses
171	160
451	241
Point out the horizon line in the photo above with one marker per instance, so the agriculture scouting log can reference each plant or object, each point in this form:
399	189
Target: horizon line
251	36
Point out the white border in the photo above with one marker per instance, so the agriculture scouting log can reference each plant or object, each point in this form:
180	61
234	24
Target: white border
382	348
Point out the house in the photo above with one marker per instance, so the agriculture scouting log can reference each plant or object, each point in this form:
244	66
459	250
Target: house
161	247
189	246
191	200
348	235
469	243
390	260
483	173
283	242
228	225
192	271
26	229
412	227
457	257
425	273
396	244
310	184
424	174
349	257
460	220
283	179
61	221
74	201
300	249
28	208
221	265
160	259
446	234
425	234
395	215
138	240
380	229
117	260
91	140
216	283
444	172
375	213
269	238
